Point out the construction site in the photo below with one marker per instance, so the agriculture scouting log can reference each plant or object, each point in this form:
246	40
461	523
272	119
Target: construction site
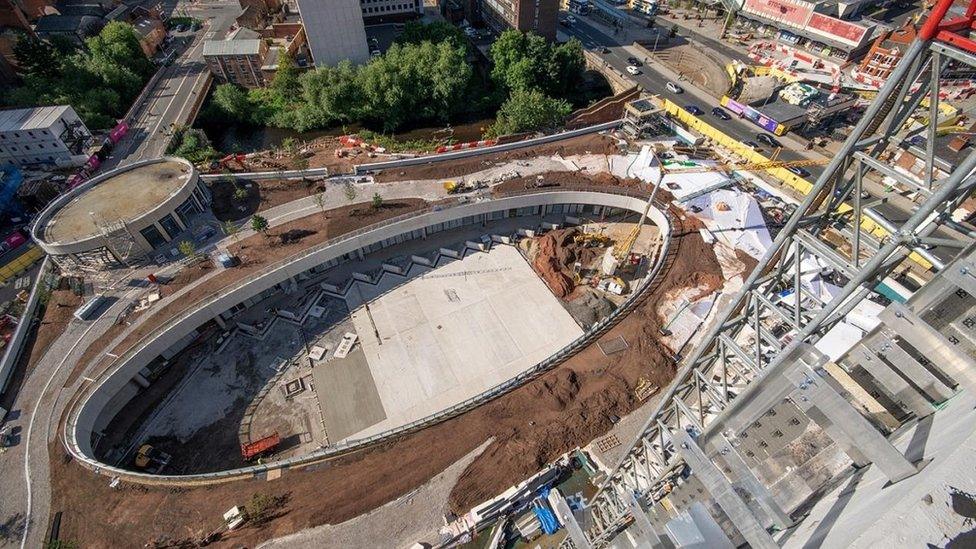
643	333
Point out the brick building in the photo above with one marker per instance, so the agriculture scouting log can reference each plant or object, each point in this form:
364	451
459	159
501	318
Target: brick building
538	16
238	60
884	54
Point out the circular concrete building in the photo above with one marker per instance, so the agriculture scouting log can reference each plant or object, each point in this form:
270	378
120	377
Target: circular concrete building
122	215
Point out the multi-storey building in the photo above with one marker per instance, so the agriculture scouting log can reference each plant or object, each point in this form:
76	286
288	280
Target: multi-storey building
42	135
885	53
538	16
385	11
237	61
335	30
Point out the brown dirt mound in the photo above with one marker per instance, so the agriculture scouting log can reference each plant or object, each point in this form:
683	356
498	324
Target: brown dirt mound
556	253
585	144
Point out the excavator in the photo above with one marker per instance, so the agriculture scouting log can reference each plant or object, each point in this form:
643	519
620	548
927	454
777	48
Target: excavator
152	460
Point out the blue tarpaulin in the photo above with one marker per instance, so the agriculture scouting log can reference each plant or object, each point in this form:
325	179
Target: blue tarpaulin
10	181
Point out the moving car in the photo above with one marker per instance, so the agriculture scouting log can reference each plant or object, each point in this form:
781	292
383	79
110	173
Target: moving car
769	140
633	70
720	112
674	88
635	61
694	109
571	19
798	171
601	49
753	145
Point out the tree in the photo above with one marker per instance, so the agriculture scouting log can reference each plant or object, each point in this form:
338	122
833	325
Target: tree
259	224
527	61
416	32
377	202
187	248
240	194
527	111
350	191
230	229
320	201
233	102
37	57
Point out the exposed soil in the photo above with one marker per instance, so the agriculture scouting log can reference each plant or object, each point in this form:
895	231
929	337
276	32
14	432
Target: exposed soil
257	195
530	426
556	253
584	144
57	315
605	110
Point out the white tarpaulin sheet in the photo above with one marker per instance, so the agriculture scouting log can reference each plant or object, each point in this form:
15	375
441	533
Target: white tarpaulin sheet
646	167
735	218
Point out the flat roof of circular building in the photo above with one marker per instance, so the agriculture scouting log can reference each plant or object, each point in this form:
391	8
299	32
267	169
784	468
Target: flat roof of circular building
125	194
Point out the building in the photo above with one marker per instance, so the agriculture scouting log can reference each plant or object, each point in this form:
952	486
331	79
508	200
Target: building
538	16
391	11
151	32
885	53
75	28
801	23
238	59
335	31
43	135
122	215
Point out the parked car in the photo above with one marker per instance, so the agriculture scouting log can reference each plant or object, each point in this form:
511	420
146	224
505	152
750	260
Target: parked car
694	109
798	171
753	145
635	61
674	88
601	49
768	140
633	70
571	19
720	112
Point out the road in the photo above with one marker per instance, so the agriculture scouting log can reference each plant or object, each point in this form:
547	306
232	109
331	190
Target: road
173	99
654	77
24	472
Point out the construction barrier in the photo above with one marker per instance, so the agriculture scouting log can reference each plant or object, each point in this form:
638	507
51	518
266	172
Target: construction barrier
21	263
466	145
791	179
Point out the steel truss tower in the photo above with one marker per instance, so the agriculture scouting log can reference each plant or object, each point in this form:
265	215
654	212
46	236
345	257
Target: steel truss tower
758	360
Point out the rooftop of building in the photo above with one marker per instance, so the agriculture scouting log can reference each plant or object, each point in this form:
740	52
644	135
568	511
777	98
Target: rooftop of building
122	196
250	46
33	118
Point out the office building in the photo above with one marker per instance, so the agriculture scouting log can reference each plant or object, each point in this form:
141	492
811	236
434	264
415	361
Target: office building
43	135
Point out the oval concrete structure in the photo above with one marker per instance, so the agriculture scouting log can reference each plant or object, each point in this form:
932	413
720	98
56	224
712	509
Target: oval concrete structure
116	211
105	397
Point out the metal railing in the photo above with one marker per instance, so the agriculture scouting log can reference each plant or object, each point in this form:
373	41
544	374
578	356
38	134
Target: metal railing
337	450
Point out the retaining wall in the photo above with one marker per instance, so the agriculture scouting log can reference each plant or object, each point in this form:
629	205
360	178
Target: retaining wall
89	408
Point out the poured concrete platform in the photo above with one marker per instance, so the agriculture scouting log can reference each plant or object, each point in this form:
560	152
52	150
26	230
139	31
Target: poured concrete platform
347	395
447	334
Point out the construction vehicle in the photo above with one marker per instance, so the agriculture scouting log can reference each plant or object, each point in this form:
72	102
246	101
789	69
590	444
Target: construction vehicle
457	187
152	460
592	240
260	447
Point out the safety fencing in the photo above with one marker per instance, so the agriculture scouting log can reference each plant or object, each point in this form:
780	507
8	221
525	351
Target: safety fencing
661	216
791	179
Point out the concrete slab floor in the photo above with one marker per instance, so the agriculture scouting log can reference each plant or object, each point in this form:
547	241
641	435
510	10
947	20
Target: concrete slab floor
454	332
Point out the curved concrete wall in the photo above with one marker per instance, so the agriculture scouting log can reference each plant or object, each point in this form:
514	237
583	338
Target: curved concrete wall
133	226
85	416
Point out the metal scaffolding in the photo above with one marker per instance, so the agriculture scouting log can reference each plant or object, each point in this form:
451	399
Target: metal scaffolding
757	380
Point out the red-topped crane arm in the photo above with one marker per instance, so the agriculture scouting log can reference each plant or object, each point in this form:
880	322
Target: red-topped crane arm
937	27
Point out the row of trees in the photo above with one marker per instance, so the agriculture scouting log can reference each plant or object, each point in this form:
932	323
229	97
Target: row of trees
411	83
99	80
424	78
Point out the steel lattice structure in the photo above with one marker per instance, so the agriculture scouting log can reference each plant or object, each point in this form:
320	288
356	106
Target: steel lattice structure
758	360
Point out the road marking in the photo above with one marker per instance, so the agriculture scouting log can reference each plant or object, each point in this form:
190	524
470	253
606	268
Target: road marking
30	430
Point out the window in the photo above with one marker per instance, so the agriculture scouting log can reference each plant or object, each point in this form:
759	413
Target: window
153	236
170	226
